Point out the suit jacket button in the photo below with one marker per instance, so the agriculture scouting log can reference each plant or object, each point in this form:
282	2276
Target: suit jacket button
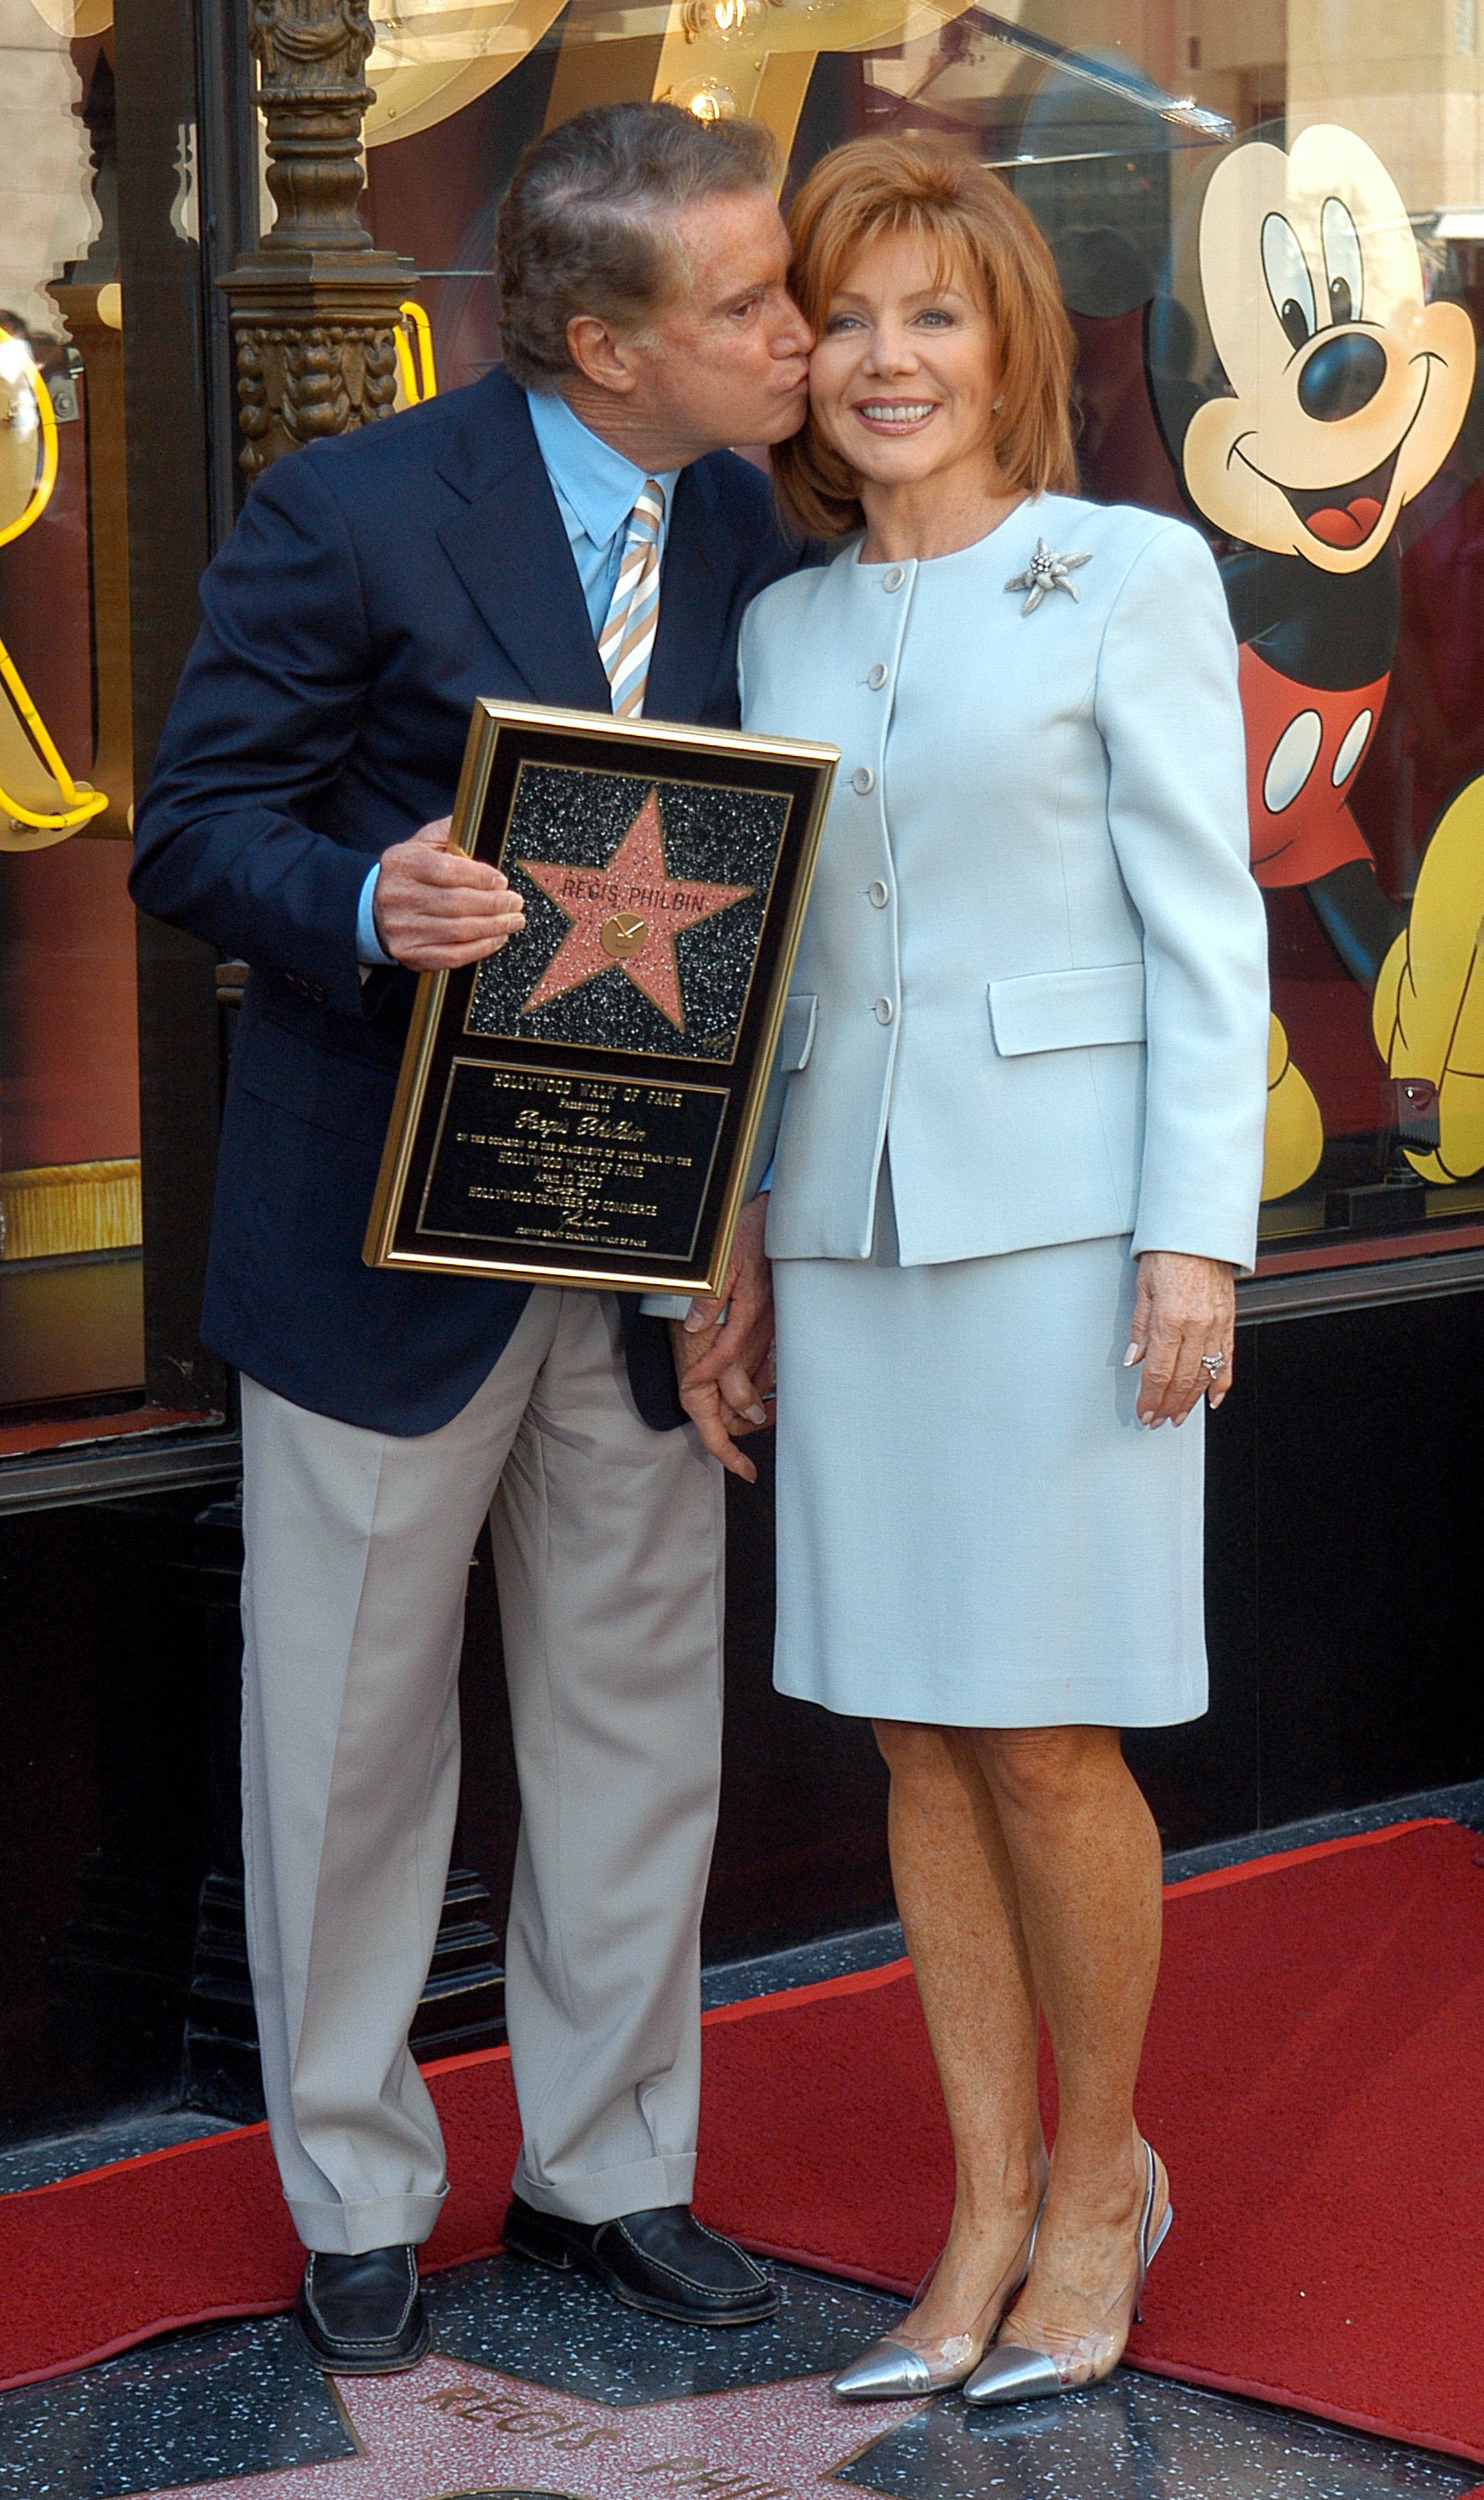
893	580
876	677
884	1011
879	892
863	780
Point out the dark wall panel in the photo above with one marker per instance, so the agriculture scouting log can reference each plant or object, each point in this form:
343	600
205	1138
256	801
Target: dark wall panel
105	1786
1371	1629
1346	1495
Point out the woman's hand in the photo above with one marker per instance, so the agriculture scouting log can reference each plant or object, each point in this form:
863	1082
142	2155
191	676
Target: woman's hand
718	1422
723	1349
1184	1308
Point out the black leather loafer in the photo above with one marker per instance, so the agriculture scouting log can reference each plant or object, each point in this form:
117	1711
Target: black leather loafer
661	2260
363	2316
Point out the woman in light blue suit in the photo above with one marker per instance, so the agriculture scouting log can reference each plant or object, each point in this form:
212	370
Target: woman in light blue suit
1017	1168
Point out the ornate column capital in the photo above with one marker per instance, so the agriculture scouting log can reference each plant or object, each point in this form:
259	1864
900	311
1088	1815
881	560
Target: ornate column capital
315	308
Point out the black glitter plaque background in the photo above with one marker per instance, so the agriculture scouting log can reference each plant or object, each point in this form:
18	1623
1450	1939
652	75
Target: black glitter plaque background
579	817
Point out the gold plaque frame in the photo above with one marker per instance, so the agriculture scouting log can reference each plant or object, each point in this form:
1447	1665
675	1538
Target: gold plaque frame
561	1229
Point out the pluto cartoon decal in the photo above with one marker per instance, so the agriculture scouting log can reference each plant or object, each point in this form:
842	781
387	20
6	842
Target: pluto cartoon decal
1339	393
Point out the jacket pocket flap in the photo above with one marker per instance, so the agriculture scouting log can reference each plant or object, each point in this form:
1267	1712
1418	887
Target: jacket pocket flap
796	1034
350	1098
1095	1002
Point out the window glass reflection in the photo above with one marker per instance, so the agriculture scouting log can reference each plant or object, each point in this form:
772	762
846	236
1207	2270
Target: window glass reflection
1268	221
70	1289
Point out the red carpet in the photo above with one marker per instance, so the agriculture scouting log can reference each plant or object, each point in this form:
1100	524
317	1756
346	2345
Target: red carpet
1314	2079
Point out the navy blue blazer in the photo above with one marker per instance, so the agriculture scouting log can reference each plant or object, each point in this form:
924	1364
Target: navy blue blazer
374	587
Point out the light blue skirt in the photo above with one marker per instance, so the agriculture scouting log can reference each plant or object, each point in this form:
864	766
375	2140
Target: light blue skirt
973	1531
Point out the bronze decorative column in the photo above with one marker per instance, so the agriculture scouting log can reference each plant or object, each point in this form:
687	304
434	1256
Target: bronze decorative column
315	308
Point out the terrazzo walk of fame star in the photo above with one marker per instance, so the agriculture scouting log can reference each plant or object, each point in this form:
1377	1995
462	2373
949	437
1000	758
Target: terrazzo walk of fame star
451	2430
629	914
533	2374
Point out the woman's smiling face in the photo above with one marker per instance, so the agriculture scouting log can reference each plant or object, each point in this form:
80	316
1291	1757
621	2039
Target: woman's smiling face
904	375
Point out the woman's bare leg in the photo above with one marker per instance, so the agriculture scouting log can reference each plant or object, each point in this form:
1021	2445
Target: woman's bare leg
956	1896
1087	1874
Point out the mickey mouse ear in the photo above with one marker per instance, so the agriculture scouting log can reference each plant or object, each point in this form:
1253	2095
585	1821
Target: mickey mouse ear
1173	349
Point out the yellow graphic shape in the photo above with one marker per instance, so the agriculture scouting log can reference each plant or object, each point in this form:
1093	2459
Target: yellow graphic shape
754	58
75	19
718	58
1428	1012
1294	1138
434	56
416	372
39	803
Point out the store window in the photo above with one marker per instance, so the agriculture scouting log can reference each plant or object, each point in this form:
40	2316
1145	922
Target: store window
114	462
1269	220
71	1316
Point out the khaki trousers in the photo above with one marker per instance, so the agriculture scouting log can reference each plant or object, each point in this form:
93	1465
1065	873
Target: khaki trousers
607	1541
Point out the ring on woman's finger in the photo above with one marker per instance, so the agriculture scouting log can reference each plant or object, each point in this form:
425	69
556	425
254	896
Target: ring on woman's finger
1215	1363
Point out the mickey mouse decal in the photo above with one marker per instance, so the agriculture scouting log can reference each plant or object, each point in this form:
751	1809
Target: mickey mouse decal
1338	394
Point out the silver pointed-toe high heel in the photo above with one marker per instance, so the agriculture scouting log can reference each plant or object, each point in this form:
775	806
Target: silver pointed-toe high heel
1014	2374
900	2364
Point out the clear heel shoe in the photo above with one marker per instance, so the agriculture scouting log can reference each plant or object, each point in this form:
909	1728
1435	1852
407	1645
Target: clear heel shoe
1011	2373
904	2364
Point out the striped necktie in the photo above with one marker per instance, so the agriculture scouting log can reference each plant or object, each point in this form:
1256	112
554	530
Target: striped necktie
627	638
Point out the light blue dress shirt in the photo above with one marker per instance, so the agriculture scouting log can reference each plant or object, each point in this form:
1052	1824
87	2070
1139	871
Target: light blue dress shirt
595	489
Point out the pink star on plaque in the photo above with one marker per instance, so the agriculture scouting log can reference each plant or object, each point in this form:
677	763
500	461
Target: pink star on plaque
629	914
458	2431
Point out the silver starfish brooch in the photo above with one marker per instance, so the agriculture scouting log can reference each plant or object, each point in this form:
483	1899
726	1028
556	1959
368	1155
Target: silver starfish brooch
1046	571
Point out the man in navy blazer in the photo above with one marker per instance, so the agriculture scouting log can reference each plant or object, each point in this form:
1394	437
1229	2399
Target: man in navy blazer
297	817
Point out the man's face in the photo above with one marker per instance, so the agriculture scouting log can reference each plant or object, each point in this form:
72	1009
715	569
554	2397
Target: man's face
726	362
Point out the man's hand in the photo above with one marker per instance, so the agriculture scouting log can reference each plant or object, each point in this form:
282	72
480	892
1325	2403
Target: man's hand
723	1349
719	1424
436	908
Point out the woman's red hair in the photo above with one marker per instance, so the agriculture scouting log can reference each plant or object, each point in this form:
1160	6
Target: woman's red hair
980	231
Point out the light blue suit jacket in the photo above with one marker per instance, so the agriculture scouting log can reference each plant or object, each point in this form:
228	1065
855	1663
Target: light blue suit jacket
1034	964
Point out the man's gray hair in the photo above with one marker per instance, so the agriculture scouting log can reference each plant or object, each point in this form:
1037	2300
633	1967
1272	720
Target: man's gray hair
587	224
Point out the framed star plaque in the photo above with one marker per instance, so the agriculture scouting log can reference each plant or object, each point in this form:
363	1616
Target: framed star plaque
581	1107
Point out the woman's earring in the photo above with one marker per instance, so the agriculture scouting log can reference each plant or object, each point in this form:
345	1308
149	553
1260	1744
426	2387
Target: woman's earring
999	404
